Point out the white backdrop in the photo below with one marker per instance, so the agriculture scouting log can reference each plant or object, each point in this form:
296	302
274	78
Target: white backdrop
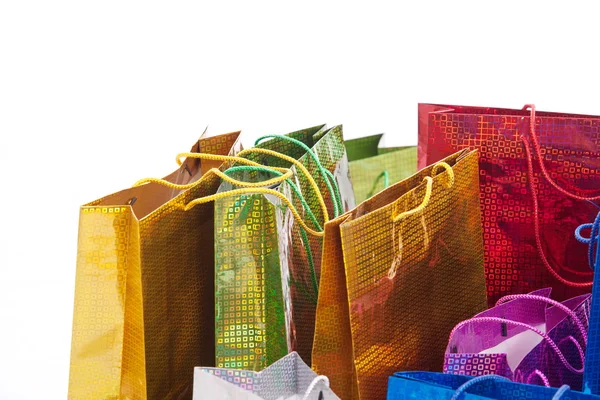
95	95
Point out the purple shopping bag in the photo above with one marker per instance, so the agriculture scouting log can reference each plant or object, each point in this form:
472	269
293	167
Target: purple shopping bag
527	338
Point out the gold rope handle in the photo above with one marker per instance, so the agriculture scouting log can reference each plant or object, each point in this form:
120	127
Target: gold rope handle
225	177
246	190
428	190
237	192
421	206
448	169
298	165
217	157
241	160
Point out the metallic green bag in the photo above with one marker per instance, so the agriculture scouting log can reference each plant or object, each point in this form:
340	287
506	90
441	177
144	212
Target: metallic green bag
267	266
373	168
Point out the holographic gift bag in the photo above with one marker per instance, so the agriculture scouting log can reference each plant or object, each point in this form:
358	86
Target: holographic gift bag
396	278
434	386
144	309
374	168
287	379
536	171
267	263
527	338
591	377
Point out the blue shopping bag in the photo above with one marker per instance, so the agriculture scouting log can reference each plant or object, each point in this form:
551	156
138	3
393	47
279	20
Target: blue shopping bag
591	376
436	385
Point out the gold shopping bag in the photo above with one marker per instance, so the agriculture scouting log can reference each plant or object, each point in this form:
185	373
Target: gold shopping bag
398	273
144	290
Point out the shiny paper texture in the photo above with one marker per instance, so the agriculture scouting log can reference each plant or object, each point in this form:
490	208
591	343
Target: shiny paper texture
392	291
368	162
288	378
535	361
144	305
570	145
434	386
266	294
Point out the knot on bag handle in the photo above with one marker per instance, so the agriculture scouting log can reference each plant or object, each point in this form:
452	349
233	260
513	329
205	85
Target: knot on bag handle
475	381
311	387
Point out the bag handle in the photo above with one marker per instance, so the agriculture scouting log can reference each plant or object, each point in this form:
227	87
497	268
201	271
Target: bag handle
540	375
428	189
386	182
593	241
248	187
536	146
536	224
475	381
240	159
332	186
554	303
312	385
405	214
531	328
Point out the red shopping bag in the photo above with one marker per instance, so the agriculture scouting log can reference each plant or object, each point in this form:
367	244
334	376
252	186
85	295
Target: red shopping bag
539	180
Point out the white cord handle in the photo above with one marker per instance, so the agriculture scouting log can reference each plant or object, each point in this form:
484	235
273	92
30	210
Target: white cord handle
312	385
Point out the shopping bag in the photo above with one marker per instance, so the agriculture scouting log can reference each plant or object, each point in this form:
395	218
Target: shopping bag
373	168
144	289
267	264
435	385
536	171
287	379
591	377
399	271
527	338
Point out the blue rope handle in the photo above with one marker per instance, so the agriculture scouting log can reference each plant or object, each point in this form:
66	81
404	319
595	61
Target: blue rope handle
591	241
561	392
462	388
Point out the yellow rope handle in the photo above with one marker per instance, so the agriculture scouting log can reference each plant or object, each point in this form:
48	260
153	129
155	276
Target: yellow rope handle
421	206
226	178
448	168
298	165
237	192
428	190
217	157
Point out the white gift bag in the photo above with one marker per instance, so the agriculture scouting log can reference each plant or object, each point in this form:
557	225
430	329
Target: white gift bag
287	379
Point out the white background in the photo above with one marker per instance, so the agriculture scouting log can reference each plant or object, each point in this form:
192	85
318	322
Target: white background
97	94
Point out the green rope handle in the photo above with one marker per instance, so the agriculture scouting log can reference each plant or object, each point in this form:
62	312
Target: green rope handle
327	176
309	255
292	185
386	182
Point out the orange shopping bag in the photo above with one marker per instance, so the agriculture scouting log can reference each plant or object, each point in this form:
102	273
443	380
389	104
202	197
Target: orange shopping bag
144	290
398	273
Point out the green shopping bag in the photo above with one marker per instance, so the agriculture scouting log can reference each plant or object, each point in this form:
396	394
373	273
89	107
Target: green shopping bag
373	168
267	266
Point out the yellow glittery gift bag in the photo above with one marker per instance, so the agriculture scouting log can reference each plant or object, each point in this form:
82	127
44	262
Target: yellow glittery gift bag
144	289
398	273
